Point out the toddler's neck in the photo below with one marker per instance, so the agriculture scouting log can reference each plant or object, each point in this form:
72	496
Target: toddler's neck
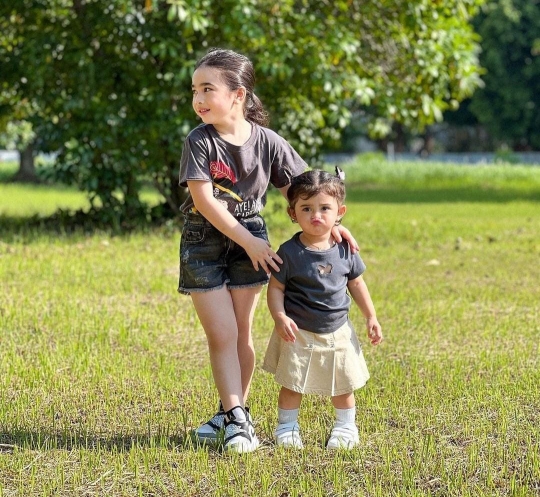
324	242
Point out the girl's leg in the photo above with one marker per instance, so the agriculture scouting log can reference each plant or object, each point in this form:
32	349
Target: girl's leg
216	312
244	303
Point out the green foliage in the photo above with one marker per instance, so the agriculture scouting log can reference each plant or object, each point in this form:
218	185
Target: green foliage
107	84
509	104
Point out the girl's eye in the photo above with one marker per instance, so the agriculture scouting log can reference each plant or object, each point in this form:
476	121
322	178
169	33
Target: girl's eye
207	89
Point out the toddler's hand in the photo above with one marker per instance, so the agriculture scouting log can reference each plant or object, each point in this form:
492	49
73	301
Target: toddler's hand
374	331
286	328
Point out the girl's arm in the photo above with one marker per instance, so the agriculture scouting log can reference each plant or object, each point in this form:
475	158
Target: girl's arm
275	296
258	250
340	232
360	294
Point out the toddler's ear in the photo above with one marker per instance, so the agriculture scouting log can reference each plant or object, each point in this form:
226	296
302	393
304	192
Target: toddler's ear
292	215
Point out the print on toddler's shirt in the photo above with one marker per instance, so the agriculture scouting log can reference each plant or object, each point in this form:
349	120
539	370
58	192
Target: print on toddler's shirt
324	269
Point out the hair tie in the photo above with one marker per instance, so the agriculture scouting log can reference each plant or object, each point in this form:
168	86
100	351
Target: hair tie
340	174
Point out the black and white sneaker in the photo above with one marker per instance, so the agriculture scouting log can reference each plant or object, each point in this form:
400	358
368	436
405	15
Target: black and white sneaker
239	431
212	431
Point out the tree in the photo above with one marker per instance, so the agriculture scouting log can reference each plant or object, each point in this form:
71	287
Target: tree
18	135
110	80
509	104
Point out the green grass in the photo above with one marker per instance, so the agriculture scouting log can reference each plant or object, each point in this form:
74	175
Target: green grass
104	369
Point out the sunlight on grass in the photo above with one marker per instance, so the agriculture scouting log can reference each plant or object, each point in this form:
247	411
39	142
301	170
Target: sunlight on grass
104	368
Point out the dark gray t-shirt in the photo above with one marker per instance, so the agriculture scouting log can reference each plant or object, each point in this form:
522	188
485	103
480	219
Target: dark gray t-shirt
316	283
240	174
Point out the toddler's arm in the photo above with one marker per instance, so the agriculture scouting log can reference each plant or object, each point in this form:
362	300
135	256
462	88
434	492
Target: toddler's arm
360	294
285	326
258	250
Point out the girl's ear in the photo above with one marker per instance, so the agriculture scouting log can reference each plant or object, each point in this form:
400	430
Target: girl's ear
240	94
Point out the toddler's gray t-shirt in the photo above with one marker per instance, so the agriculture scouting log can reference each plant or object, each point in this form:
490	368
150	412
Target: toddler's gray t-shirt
315	282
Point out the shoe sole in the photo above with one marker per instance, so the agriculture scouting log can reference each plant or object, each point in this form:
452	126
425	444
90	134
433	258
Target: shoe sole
206	439
343	446
241	448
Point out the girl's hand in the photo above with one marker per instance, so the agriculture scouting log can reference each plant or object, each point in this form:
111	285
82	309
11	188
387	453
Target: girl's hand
262	255
374	331
339	232
286	328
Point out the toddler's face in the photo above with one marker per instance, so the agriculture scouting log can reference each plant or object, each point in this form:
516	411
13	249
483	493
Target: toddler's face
317	215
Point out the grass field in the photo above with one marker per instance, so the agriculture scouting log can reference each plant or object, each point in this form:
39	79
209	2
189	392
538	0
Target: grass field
104	369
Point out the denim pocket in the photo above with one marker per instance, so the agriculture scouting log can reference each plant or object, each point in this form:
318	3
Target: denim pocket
256	226
193	234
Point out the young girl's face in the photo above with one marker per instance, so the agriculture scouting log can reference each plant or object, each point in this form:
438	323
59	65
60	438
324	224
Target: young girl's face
317	215
213	102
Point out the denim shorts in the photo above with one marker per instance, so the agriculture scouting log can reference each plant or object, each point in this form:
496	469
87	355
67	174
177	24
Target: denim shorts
209	259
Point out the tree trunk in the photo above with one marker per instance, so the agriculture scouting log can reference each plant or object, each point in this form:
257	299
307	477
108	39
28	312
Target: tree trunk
27	169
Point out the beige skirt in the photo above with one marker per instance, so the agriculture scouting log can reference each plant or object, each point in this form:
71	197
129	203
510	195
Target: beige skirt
326	364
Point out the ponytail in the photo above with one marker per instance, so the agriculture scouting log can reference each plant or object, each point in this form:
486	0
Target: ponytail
254	110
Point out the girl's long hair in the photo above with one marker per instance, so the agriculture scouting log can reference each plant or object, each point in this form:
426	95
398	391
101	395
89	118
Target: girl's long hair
237	70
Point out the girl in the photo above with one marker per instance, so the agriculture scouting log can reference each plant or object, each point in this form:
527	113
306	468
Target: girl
314	348
227	164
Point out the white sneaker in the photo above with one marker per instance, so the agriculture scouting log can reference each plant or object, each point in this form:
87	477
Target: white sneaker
211	432
343	437
240	435
288	435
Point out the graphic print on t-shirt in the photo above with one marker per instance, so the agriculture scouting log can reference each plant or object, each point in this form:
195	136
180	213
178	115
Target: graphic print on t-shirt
220	170
324	269
224	181
227	179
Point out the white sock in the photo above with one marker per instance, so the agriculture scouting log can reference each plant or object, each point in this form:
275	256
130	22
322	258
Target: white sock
345	416
287	415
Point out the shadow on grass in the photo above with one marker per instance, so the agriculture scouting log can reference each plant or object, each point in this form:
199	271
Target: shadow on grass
396	195
16	440
79	223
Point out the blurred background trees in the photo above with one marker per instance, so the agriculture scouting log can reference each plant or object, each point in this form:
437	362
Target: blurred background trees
105	85
508	105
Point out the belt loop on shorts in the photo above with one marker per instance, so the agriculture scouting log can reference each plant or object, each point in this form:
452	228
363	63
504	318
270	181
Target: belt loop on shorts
191	217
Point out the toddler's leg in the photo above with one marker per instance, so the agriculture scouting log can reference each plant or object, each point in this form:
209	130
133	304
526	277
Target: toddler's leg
344	433
287	433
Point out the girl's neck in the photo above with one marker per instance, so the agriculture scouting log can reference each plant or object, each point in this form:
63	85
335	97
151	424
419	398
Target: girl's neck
236	133
323	242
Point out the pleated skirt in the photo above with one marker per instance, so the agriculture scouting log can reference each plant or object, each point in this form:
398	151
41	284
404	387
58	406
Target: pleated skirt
328	364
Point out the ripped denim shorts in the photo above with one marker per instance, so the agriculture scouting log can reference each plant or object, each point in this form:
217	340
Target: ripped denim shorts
209	259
